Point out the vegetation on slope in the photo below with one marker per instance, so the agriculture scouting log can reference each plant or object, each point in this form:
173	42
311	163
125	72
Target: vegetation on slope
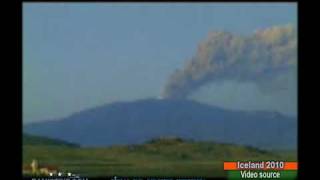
38	140
157	157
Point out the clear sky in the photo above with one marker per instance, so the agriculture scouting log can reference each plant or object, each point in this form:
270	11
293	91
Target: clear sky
82	55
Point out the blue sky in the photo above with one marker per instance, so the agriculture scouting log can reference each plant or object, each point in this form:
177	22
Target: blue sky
82	55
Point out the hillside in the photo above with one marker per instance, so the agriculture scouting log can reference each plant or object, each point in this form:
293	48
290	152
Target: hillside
157	157
138	121
43	141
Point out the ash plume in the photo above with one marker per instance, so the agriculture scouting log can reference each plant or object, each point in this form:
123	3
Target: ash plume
260	58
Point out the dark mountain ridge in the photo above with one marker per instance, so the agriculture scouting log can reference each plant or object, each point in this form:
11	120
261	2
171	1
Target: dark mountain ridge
44	141
138	121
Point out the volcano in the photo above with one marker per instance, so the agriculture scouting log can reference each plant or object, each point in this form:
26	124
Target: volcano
141	120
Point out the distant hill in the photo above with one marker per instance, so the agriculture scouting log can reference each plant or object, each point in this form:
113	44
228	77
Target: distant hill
138	121
37	140
190	149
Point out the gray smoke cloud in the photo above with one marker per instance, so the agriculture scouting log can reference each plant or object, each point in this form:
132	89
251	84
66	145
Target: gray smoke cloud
262	58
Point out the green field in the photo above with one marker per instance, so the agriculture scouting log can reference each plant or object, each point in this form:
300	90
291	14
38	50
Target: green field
161	157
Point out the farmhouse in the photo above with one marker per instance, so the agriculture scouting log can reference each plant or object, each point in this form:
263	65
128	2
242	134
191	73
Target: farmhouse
36	169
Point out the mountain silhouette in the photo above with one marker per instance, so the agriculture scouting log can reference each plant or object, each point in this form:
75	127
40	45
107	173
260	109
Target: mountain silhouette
141	120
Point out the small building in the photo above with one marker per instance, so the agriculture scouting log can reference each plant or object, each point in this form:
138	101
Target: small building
36	169
46	170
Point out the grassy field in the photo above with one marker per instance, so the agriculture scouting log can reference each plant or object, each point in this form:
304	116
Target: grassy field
157	158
